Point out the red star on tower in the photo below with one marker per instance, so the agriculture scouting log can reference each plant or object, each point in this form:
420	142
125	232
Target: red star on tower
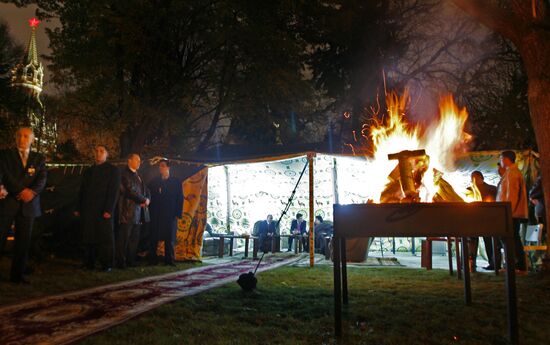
34	22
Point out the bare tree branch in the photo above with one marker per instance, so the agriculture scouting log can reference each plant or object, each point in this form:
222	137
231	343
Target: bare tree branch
491	15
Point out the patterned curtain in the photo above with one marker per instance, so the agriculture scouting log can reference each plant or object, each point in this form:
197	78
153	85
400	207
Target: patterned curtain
193	221
258	189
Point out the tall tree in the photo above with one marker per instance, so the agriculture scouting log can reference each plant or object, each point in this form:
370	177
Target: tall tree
449	52
154	69
351	43
11	102
527	25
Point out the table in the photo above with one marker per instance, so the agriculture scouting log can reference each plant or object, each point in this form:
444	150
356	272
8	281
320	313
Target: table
462	220
222	238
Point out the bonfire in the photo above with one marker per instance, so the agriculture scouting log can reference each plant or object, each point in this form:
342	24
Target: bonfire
425	171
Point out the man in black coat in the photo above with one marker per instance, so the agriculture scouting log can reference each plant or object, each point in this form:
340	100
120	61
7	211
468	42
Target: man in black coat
323	229
166	207
266	229
96	206
485	192
298	227
24	178
133	211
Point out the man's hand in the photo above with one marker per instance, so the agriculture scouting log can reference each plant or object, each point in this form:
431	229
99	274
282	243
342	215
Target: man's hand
26	195
76	214
147	202
3	192
106	215
535	202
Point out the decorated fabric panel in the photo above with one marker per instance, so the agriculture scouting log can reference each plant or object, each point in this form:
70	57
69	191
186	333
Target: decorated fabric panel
354	180
486	162
217	199
258	189
193	221
324	187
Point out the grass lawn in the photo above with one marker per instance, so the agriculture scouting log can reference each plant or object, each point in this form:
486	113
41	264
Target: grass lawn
56	275
294	305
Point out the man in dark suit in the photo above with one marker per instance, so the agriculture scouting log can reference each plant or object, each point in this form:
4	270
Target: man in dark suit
96	206
298	227
266	229
24	178
166	208
133	211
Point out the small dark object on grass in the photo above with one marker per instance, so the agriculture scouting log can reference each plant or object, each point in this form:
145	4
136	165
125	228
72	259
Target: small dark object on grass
247	281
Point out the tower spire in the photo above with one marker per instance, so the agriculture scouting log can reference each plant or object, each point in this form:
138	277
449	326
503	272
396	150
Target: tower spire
28	76
32	52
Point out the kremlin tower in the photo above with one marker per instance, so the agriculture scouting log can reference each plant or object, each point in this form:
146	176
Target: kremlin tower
28	76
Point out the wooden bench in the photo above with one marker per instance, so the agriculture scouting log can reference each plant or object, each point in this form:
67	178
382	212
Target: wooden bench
461	220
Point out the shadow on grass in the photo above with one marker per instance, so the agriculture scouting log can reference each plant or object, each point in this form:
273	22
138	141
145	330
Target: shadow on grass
387	306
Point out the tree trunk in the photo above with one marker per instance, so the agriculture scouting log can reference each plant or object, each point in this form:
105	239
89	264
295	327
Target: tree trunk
531	37
535	51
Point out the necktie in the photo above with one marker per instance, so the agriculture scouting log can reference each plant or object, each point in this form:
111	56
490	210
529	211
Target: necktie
24	157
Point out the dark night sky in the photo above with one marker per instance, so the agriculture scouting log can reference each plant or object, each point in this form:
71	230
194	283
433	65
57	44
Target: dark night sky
17	19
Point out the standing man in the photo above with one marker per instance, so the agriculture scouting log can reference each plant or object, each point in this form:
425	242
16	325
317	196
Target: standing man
486	193
24	178
96	205
298	229
166	208
512	189
133	211
536	197
266	229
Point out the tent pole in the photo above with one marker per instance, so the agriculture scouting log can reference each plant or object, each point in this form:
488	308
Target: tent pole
311	158
335	182
228	194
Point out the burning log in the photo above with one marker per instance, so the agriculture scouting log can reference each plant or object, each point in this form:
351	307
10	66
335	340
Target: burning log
406	178
406	174
445	192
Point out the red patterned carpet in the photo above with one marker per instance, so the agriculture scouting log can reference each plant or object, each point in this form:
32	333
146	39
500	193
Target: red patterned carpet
68	317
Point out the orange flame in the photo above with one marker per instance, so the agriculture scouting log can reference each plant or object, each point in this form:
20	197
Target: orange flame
442	139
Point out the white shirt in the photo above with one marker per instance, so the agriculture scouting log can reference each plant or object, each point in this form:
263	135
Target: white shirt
24	154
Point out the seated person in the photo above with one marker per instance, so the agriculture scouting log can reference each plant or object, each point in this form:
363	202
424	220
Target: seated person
298	227
266	230
536	197
208	230
322	229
